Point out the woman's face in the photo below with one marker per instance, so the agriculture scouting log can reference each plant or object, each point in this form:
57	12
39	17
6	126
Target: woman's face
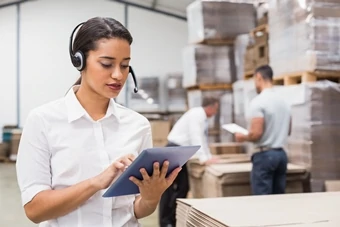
107	67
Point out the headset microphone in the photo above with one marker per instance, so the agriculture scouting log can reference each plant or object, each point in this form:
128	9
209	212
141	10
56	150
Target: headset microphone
134	79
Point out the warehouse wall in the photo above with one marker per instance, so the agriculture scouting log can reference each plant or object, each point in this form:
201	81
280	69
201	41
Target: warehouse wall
8	66
46	71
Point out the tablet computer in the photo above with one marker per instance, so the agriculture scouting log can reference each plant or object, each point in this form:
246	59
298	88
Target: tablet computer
177	157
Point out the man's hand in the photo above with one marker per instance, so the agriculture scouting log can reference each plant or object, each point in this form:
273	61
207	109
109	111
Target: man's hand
240	137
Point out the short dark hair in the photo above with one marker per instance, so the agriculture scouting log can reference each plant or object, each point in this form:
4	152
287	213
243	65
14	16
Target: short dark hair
95	29
265	71
208	101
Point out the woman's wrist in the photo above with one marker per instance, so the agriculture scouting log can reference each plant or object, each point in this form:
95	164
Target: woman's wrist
149	204
95	184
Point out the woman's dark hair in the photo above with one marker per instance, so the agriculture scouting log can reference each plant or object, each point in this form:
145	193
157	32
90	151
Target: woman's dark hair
95	29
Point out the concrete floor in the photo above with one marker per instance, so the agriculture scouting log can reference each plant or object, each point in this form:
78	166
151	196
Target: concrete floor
11	211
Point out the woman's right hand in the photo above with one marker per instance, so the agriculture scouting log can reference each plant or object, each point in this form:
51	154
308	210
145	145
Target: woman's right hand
104	180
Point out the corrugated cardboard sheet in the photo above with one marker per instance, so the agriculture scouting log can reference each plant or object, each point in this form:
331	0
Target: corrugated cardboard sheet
291	210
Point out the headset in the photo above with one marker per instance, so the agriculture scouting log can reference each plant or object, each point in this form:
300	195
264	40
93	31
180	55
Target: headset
78	59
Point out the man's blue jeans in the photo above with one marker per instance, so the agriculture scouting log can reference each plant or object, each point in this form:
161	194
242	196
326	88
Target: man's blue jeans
269	170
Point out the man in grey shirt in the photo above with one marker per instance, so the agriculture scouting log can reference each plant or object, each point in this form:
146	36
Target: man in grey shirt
270	126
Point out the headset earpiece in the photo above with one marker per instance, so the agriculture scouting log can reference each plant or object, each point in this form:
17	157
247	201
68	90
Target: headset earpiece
78	59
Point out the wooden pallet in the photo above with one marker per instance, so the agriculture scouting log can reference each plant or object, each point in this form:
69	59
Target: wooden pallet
205	87
218	42
261	28
304	77
248	75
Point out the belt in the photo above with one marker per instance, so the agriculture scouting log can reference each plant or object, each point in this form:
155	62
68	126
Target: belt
266	148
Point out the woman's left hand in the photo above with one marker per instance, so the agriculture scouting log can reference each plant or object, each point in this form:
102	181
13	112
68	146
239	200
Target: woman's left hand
152	187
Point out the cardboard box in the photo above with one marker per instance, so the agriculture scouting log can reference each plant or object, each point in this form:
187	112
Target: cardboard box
232	177
262	20
226	148
234	180
249	59
261	37
207	20
314	141
160	130
332	185
205	64
176	94
196	171
261	54
304	38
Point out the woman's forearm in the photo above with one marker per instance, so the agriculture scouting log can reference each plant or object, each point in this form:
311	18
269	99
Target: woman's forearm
51	204
143	208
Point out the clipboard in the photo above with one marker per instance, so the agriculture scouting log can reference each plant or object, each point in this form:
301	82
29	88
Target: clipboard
177	157
234	128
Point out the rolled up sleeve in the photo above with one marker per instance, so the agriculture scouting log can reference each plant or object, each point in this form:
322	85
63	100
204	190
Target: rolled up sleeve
33	160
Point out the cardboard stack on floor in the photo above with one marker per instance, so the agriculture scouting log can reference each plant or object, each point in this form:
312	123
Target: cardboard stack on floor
293	210
310	53
314	142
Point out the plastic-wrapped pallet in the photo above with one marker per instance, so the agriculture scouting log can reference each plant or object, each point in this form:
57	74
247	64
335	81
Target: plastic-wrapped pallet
243	92
314	141
310	32
241	43
205	64
225	114
218	20
176	94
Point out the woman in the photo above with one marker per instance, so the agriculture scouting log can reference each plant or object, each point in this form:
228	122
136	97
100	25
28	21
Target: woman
73	148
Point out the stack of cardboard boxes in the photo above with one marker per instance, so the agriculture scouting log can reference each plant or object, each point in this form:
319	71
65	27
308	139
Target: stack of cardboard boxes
160	130
290	210
304	35
314	142
176	94
257	53
209	59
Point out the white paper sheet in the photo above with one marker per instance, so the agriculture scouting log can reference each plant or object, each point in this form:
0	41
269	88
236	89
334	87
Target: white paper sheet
233	128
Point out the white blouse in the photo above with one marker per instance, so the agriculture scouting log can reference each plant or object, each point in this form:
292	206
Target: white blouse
61	146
